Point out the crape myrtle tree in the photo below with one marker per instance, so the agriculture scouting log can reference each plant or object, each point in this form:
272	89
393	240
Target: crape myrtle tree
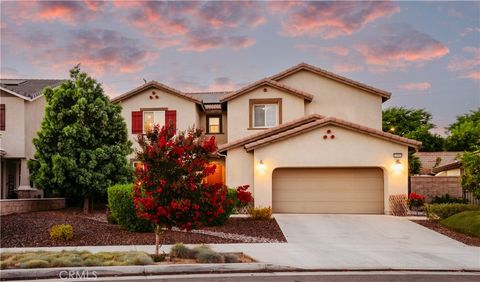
169	189
82	145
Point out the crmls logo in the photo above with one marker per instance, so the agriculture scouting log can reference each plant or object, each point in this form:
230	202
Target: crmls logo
77	274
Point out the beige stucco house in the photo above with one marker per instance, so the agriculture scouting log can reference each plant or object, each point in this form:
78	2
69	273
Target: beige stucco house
305	140
22	108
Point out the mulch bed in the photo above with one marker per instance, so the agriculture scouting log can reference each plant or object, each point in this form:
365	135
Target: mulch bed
436	226
32	230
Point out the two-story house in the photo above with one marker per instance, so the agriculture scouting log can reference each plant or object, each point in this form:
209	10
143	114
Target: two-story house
305	140
22	108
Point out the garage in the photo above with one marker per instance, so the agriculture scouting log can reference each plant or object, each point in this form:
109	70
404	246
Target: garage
328	190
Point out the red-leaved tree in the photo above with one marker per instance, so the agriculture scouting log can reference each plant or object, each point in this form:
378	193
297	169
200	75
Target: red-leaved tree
168	188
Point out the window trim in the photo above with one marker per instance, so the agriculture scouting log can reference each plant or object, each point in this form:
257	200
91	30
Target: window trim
208	124
152	110
253	102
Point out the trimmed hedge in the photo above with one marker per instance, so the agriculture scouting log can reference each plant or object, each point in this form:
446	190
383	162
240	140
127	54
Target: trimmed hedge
442	211
120	202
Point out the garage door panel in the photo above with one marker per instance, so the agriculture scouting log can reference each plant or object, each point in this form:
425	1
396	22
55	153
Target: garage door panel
328	190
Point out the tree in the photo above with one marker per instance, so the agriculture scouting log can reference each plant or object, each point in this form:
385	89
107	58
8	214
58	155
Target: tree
414	124
169	189
82	145
464	132
471	172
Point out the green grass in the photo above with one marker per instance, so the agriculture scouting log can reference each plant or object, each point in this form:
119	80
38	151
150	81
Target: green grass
467	222
43	259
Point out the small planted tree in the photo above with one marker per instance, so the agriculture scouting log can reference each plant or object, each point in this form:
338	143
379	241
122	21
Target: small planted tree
82	146
471	172
169	189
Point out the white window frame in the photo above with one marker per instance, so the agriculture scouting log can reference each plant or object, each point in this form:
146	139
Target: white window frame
156	114
265	115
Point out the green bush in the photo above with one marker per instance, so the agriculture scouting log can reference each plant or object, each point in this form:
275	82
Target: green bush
61	232
467	222
442	211
120	202
36	263
446	199
208	256
182	251
260	213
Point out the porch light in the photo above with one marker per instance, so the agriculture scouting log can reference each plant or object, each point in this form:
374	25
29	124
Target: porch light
397	166
261	166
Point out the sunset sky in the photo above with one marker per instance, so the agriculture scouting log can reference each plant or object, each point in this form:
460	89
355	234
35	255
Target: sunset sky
426	53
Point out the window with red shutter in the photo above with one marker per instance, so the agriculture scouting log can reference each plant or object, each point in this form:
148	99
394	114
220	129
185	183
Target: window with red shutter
2	117
137	122
171	118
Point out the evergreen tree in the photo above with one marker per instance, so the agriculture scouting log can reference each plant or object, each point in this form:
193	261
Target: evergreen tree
82	146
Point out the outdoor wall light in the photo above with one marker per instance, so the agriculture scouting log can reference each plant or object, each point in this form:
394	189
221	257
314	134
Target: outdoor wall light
397	166
261	166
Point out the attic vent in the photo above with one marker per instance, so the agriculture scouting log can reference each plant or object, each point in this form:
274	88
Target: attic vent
11	81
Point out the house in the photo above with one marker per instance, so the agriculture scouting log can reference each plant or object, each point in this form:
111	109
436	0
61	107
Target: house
306	140
453	168
22	107
433	160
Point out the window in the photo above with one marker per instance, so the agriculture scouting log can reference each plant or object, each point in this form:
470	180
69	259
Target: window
2	116
214	125
265	113
137	164
152	118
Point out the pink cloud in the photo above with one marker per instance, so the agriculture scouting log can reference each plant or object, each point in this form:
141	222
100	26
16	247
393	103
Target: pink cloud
240	42
420	86
219	14
468	64
330	19
347	67
399	46
475	75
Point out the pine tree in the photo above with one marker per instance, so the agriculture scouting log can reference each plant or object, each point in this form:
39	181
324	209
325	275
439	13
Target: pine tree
82	145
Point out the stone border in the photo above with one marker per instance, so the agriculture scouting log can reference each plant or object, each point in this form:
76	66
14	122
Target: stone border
134	270
13	206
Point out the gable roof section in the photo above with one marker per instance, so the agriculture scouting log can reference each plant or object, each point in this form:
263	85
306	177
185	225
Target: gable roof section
449	166
160	86
335	121
27	89
303	66
269	132
266	82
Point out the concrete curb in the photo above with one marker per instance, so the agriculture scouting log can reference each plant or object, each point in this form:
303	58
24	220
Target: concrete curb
135	270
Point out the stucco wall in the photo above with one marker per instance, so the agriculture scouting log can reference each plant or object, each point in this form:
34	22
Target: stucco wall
332	98
239	113
451	172
430	186
13	138
188	114
239	168
348	149
34	113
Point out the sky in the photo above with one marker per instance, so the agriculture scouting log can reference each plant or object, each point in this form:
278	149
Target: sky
427	54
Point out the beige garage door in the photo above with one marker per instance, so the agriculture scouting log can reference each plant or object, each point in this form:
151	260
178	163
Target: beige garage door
328	190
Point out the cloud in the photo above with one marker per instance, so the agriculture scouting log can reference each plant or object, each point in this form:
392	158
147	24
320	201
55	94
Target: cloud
217	14
399	46
469	30
329	19
475	75
240	42
468	64
97	50
347	67
419	86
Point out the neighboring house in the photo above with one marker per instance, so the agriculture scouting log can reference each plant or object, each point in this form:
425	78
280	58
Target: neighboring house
431	160
22	107
450	169
305	140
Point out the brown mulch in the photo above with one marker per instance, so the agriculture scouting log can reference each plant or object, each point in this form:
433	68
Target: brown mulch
32	230
436	226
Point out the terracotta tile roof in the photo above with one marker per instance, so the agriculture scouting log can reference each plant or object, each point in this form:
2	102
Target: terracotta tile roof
449	166
430	160
266	82
303	66
160	86
330	120
213	107
28	88
269	132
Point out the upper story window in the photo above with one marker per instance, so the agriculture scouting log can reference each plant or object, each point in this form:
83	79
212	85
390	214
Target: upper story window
214	124
2	117
265	113
152	118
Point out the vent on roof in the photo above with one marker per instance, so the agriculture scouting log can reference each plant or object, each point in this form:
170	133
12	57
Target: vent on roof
11	81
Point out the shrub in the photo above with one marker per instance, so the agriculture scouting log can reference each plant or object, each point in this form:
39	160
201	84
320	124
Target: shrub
467	222
236	198
34	263
208	256
120	202
446	199
61	232
415	201
182	251
260	213
442	211
230	258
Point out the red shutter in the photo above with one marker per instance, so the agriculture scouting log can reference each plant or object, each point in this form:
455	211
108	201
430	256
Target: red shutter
171	118
137	122
2	116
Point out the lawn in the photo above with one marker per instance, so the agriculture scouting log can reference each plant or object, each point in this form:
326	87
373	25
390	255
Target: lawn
467	222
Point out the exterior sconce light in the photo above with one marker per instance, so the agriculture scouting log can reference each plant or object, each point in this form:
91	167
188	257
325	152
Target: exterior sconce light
397	166
261	166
